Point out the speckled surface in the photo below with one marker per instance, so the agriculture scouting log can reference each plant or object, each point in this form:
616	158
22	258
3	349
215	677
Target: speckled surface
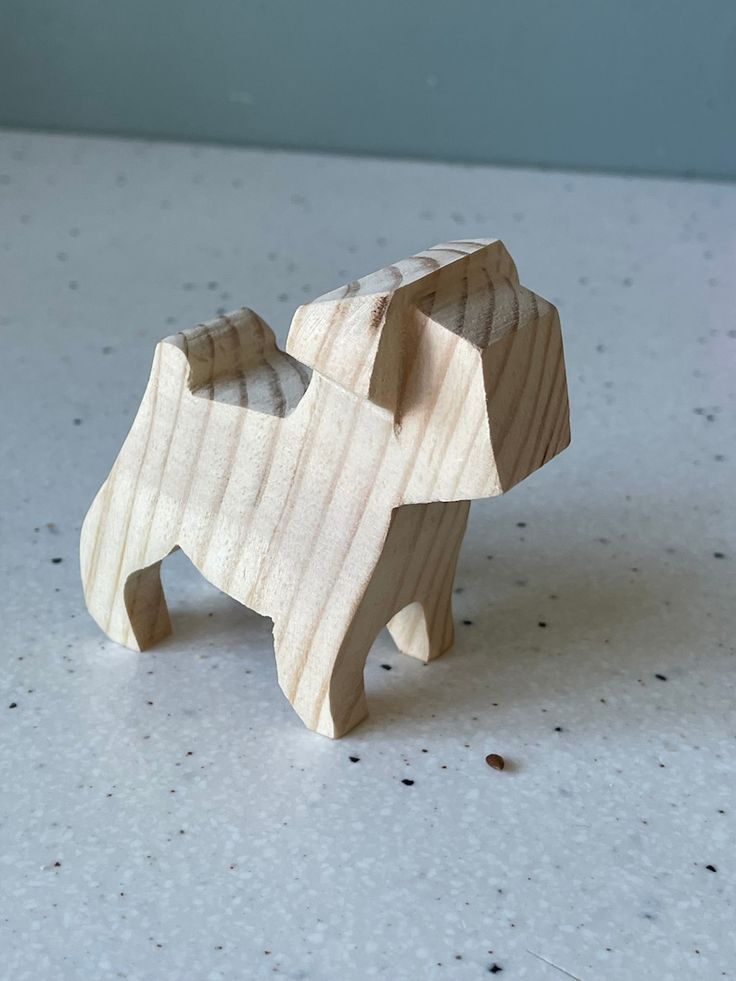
166	816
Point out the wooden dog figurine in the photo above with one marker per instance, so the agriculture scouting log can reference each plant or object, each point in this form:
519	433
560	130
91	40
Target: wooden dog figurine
329	487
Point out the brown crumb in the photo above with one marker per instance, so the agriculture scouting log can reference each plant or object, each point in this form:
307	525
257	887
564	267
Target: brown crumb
495	761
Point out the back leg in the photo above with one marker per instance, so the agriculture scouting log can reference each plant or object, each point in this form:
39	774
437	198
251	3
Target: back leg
145	620
134	611
121	576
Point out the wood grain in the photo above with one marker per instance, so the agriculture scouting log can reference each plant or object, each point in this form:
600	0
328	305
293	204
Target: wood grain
328	487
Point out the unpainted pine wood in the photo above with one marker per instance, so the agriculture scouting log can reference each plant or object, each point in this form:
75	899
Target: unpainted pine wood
328	486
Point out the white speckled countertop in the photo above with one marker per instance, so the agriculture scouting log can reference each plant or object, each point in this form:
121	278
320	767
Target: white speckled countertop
165	816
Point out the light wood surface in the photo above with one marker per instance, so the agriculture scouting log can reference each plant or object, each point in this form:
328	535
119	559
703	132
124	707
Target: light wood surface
328	487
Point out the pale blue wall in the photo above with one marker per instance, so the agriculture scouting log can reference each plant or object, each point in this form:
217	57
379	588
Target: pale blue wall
634	85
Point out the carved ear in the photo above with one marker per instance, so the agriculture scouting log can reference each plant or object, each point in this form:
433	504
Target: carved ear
358	335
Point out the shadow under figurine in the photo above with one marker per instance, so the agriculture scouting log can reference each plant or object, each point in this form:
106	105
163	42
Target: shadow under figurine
328	488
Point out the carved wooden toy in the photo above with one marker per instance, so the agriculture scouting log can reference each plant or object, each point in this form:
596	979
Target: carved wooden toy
328	487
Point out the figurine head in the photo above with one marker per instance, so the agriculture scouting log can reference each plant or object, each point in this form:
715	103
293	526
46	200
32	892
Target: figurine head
467	361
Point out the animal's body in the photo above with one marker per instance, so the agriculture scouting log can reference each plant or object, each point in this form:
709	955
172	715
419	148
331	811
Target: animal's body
329	488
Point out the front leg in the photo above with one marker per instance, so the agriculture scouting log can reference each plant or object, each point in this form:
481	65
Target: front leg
321	659
423	628
323	676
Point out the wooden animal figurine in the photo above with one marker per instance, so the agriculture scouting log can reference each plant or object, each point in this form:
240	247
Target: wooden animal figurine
328	487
